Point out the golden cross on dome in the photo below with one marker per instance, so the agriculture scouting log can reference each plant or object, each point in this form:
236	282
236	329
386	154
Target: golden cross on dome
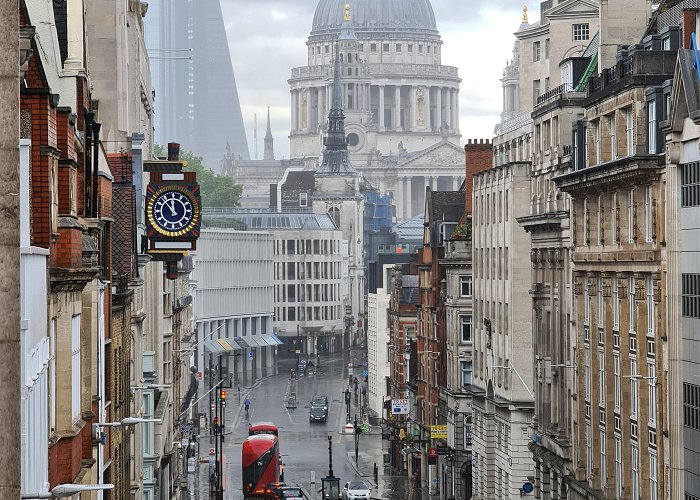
347	17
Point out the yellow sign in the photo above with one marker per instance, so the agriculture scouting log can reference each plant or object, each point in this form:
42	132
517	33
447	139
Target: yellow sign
438	432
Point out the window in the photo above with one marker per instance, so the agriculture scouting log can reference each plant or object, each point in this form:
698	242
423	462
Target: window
589	452
420	49
586	228
536	51
334	212
465	325
653	482
386	47
535	91
616	381
601	309
75	367
633	305
613	218
651	307
651	115
647	214
546	48
635	470
466	367
634	389
613	136
586	302
690	295
373	47
629	129
596	139
690	184
618	467
603	471
601	377
630	216
581	31
691	406
651	369
303	200
616	305
410	48
587	374
465	286
398	47
600	217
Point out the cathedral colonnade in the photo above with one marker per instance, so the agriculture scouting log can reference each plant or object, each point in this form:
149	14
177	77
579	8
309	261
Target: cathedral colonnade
406	108
409	192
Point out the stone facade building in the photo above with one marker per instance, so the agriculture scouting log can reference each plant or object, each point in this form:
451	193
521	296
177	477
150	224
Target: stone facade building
618	204
398	97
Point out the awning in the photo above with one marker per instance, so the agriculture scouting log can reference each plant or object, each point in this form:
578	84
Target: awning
221	345
272	340
256	341
243	342
276	339
409	451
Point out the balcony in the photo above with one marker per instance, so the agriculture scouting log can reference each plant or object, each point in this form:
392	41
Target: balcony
635	68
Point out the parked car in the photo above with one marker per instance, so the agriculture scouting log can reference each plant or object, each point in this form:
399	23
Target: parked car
356	490
318	414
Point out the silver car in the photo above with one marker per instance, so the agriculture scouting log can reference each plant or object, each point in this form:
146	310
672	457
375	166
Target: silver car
356	490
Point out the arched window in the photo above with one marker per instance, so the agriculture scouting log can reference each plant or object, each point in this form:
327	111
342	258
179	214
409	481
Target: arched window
334	212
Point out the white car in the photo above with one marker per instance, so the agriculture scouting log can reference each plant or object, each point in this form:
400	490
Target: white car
356	490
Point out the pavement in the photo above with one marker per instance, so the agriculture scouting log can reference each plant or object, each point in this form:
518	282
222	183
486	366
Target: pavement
303	445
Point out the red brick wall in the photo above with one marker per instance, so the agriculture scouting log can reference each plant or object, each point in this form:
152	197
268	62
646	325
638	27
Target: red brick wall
478	157
68	251
65	459
688	26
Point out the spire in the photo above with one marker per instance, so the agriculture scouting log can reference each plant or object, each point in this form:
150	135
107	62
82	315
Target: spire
269	153
335	154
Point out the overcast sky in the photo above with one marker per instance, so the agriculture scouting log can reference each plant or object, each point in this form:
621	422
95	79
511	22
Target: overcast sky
267	38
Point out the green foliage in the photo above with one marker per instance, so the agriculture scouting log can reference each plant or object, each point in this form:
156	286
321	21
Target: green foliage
218	191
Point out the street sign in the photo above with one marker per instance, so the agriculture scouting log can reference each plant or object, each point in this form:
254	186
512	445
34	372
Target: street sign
432	453
250	355
212	451
438	432
399	406
187	428
441	449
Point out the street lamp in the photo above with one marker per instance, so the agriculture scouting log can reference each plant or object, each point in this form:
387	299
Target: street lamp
330	486
127	421
67	490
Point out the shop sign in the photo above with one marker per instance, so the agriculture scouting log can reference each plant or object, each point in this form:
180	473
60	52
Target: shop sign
399	406
438	432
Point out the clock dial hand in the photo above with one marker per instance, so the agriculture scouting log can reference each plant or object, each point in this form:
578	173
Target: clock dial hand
171	206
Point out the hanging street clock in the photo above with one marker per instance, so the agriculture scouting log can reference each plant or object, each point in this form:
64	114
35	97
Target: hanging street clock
173	211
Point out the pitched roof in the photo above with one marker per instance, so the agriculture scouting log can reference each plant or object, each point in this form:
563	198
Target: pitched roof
446	206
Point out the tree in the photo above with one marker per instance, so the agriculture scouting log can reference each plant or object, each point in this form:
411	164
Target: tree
218	191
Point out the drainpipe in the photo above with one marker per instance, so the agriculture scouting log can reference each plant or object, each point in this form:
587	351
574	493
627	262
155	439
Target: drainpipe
96	166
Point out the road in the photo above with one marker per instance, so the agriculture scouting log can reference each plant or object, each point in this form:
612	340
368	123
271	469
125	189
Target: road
304	446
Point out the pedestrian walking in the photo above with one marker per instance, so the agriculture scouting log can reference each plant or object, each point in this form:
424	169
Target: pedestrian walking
376	472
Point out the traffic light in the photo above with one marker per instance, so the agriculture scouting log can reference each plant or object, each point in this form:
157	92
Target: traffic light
216	423
223	395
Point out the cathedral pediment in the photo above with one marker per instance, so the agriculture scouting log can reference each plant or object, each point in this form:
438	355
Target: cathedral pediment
444	154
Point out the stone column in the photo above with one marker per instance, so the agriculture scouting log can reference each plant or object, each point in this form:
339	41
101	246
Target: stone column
448	109
428	119
456	110
409	191
294	110
309	108
412	120
456	183
381	107
397	107
319	100
10	354
438	107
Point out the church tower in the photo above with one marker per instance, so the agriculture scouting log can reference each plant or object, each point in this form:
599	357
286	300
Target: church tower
269	153
338	194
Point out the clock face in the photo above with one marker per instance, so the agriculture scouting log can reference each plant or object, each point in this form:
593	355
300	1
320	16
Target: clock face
172	211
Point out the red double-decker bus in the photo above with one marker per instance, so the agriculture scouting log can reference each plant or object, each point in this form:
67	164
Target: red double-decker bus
260	462
263	428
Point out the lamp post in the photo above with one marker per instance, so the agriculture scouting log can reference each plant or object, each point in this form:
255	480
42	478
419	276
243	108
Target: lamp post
347	404
330	486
